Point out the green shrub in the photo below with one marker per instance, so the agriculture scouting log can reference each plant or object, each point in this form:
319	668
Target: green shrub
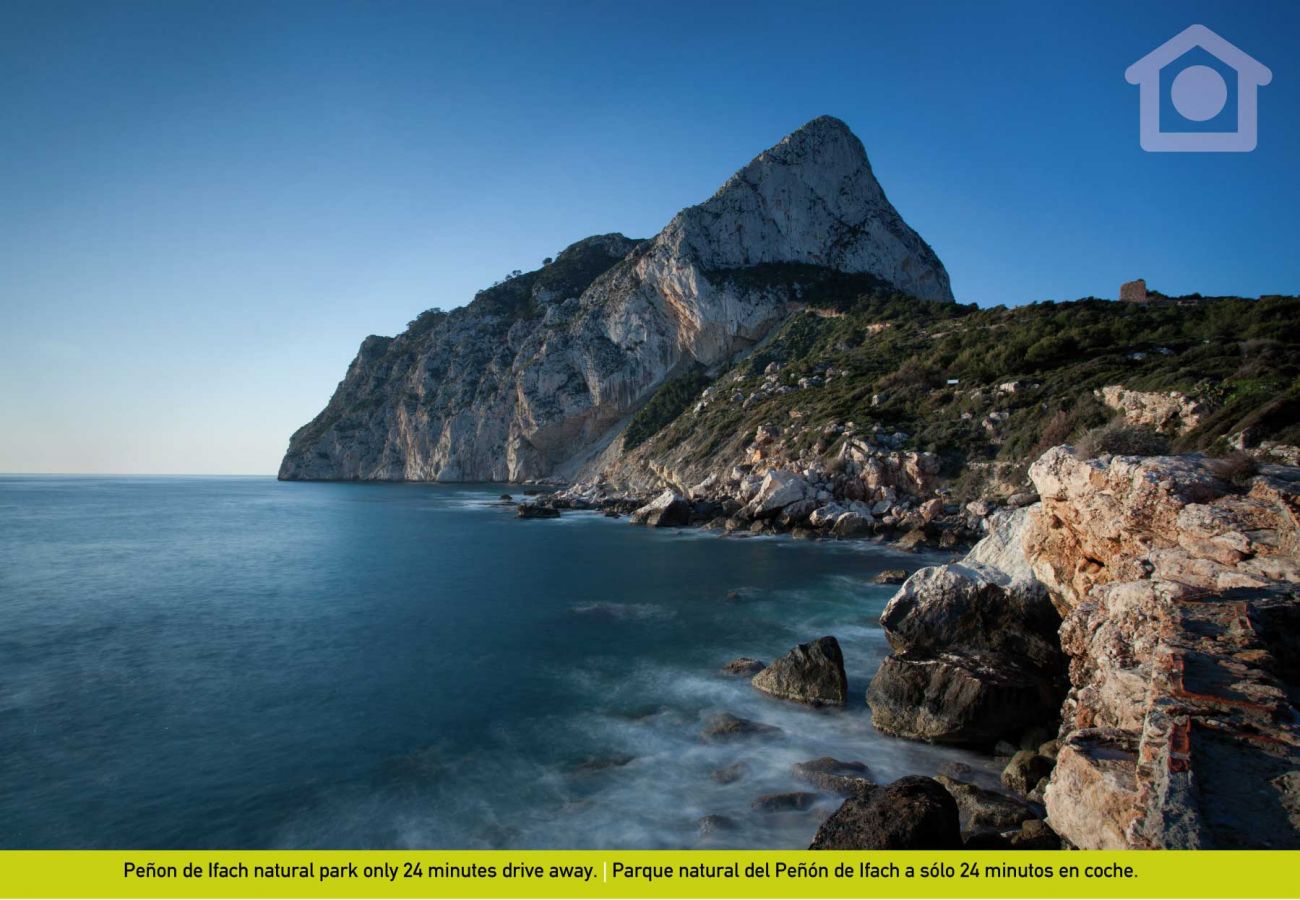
667	403
1118	438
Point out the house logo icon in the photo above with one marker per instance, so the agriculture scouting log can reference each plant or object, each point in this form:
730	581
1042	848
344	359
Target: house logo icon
1190	70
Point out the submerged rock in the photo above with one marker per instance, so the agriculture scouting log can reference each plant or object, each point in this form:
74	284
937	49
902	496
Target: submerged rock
744	665
810	673
848	779
725	726
536	511
793	801
715	823
911	814
729	774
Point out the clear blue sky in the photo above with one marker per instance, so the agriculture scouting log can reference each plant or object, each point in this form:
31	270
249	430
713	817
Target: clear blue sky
205	206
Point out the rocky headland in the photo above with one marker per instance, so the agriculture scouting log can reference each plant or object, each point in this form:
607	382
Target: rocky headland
1116	485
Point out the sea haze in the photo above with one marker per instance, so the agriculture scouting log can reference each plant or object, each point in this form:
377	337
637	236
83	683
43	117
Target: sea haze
238	662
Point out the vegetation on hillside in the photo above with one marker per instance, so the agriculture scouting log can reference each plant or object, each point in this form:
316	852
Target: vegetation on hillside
567	275
1001	384
667	403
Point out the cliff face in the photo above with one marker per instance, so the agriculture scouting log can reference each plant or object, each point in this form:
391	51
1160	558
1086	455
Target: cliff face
1177	583
539	373
1180	591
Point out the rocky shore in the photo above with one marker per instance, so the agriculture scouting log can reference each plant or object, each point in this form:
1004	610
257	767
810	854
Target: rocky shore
1126	644
867	489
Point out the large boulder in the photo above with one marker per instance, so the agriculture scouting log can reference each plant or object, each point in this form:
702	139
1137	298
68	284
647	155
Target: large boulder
668	510
810	673
976	656
985	810
958	699
911	814
780	488
834	776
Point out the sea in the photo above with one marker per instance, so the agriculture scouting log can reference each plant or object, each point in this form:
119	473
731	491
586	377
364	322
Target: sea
245	663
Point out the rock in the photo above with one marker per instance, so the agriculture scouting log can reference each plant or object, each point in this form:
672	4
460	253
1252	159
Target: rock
911	814
912	540
1035	737
1179	728
1093	794
825	516
810	673
1035	834
1025	770
1022	498
668	510
725	726
931	510
890	576
985	840
729	774
506	498
982	809
705	510
536	511
780	489
1039	792
981	509
1167	411
850	524
594	764
743	665
715	824
975	651
705	487
956	699
848	779
794	801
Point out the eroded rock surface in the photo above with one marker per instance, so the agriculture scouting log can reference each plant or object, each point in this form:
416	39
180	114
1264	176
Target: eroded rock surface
911	814
810	673
1181	598
1167	411
975	655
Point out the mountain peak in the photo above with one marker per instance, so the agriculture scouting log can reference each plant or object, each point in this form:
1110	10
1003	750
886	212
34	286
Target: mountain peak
819	129
810	198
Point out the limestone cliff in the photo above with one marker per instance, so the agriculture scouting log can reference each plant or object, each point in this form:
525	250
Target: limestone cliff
1179	582
538	374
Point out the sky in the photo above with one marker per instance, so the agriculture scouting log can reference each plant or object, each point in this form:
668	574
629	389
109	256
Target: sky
205	206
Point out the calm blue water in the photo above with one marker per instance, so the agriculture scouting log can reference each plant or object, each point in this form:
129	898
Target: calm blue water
221	662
